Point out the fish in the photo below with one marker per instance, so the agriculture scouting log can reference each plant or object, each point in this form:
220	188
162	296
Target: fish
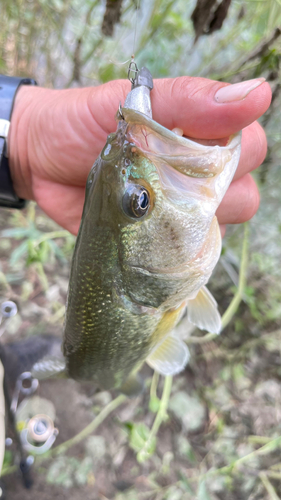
148	242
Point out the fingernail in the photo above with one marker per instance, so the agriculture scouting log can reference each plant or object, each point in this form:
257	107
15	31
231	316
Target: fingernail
237	91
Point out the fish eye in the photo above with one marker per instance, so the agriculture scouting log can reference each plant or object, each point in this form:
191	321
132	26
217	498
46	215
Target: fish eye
136	201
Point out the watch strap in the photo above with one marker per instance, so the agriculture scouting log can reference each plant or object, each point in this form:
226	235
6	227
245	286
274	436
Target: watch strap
8	89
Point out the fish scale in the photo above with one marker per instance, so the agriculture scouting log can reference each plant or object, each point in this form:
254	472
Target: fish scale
101	329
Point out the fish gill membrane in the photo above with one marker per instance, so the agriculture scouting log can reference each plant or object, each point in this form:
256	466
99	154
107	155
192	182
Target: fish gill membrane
147	245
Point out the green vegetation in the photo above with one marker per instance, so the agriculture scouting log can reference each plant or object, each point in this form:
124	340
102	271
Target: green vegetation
215	432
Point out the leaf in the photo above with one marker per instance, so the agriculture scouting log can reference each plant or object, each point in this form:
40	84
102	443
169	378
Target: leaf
67	471
57	251
83	470
202	492
17	233
173	493
8	459
139	436
141	443
185	449
107	73
19	252
185	484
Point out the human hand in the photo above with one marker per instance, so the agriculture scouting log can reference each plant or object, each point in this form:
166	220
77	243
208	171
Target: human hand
56	135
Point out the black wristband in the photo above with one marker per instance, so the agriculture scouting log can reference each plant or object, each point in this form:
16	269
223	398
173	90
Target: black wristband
8	89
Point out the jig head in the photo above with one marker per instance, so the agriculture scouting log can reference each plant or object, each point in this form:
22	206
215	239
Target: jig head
142	84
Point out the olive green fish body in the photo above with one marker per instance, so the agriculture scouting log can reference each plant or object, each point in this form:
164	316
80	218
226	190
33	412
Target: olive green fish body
147	244
102	330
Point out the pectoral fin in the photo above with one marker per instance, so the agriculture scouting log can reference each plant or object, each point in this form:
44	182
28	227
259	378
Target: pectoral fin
169	357
203	311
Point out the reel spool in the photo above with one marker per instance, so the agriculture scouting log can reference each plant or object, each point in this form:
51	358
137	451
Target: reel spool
39	435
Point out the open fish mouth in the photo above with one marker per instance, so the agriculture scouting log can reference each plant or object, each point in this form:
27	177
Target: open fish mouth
185	166
190	157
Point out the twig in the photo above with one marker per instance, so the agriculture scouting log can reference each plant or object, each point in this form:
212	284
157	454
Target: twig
152	28
228	469
154	385
62	448
76	74
244	350
259	51
259	439
91	52
41	275
234	304
263	450
268	486
274	475
161	415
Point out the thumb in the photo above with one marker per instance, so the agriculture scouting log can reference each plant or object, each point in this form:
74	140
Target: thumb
208	109
202	108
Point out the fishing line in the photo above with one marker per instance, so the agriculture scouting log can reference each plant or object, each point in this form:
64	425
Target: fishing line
131	59
133	68
136	23
119	63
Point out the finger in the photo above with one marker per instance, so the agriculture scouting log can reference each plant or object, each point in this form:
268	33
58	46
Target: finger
49	196
253	152
195	108
240	202
191	104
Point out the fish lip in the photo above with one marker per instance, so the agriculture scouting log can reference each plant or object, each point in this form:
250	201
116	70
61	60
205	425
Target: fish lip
173	155
234	139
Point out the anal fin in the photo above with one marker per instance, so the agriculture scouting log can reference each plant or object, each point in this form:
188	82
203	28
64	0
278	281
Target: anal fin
203	311
170	357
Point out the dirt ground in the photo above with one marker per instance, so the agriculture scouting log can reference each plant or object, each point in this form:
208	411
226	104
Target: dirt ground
223	408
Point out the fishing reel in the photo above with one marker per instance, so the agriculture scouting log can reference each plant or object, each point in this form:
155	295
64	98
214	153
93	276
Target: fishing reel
40	434
37	432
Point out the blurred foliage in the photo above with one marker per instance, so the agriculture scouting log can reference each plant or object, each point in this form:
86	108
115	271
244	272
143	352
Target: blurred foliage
37	246
222	438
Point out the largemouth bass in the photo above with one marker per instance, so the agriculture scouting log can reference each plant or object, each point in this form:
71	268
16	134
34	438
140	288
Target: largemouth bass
147	245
